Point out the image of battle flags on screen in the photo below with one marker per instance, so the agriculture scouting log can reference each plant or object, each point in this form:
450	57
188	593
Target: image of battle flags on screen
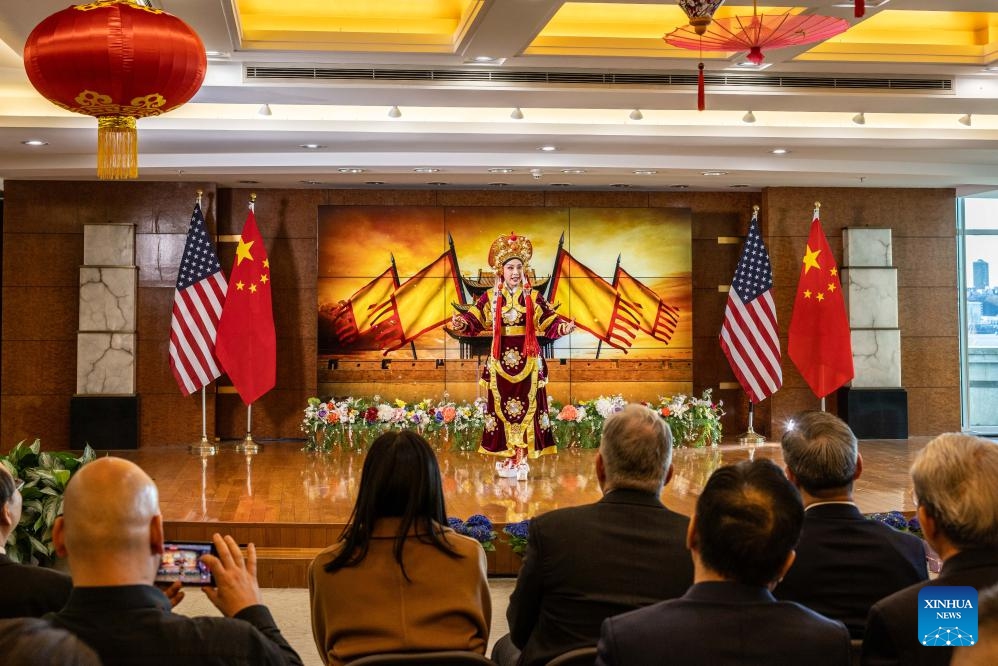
357	315
655	317
749	335
594	304
420	304
197	306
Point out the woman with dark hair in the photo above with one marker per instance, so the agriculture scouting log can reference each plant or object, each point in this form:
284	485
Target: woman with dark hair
399	579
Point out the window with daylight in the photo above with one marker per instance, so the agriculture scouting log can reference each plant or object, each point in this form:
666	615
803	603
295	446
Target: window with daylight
977	222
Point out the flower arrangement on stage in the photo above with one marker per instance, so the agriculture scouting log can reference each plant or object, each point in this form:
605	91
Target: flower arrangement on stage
478	527
517	533
898	521
695	422
353	423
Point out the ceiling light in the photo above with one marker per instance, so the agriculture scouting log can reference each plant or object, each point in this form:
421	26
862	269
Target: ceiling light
425	170
350	170
548	149
620	185
394	112
715	173
264	110
749	117
991	68
561	184
780	151
859	118
516	113
375	182
636	115
500	170
248	182
35	142
679	187
644	172
573	171
498	184
311	182
483	58
310	146
437	183
965	119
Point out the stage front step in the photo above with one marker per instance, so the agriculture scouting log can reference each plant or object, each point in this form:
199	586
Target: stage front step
284	567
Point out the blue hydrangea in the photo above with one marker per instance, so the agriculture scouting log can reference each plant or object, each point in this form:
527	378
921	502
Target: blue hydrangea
479	533
518	530
478	520
456	524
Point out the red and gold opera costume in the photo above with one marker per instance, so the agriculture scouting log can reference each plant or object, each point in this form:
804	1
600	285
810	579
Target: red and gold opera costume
517	423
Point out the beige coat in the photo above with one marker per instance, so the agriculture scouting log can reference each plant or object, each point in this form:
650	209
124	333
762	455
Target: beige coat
371	608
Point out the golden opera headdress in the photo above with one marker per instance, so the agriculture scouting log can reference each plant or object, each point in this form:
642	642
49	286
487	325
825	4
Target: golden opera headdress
508	247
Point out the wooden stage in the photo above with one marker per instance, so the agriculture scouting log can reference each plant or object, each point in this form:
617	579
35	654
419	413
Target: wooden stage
291	504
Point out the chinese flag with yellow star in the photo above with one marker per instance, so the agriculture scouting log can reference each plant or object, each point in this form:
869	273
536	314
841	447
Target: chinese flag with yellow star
246	345
819	341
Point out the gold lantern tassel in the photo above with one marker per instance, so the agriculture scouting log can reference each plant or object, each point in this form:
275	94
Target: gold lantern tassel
117	148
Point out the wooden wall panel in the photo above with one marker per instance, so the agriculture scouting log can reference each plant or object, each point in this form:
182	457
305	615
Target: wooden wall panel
41	312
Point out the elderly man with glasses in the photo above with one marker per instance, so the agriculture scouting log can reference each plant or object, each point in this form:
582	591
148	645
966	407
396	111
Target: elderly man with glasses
25	590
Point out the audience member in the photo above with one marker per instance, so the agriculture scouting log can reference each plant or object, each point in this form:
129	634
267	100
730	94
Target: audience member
24	590
30	641
586	563
956	487
111	531
399	579
845	562
742	536
985	651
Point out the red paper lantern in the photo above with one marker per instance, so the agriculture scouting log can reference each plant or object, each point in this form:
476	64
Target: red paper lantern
117	61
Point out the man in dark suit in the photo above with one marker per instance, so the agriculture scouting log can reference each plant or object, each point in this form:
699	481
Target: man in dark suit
742	538
955	478
25	591
585	563
845	562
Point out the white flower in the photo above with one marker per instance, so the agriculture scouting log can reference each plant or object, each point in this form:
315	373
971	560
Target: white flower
605	406
580	414
385	413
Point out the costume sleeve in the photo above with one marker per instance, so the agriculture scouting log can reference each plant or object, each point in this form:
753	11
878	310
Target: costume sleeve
479	316
878	643
319	621
549	324
273	649
525	603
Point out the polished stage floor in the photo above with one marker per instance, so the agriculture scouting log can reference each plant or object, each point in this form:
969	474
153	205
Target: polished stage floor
282	485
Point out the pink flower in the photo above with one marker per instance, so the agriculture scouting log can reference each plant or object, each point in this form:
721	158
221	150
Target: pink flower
568	413
665	411
450	413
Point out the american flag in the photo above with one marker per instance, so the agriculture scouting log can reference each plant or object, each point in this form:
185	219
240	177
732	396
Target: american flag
749	335
197	305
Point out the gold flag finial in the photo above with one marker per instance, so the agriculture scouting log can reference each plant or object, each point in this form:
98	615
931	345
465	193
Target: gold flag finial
200	194
817	205
755	209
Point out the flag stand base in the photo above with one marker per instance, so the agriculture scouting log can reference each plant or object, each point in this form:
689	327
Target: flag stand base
203	448
248	446
751	438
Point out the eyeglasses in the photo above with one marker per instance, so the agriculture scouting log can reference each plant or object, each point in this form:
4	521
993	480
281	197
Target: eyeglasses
18	484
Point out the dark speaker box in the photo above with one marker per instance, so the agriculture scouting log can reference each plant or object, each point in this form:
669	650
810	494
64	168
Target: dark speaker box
104	422
875	413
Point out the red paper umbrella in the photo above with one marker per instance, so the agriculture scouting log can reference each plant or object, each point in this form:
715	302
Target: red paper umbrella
117	61
755	33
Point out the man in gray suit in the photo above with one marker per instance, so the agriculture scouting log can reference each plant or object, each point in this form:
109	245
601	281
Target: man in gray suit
845	562
585	563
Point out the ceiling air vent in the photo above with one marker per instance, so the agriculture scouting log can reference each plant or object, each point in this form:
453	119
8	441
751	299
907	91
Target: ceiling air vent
593	78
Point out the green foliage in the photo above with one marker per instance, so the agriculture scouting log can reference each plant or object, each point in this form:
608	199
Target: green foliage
45	475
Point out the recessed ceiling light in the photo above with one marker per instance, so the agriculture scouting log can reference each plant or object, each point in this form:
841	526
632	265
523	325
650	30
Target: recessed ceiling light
548	149
679	187
375	182
437	183
500	170
715	173
311	182
425	170
350	170
561	184
573	171
780	151
35	142
310	146
483	58
248	182
498	184
645	172
620	185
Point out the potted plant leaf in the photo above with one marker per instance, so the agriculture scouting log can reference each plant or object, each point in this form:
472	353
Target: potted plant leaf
45	475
